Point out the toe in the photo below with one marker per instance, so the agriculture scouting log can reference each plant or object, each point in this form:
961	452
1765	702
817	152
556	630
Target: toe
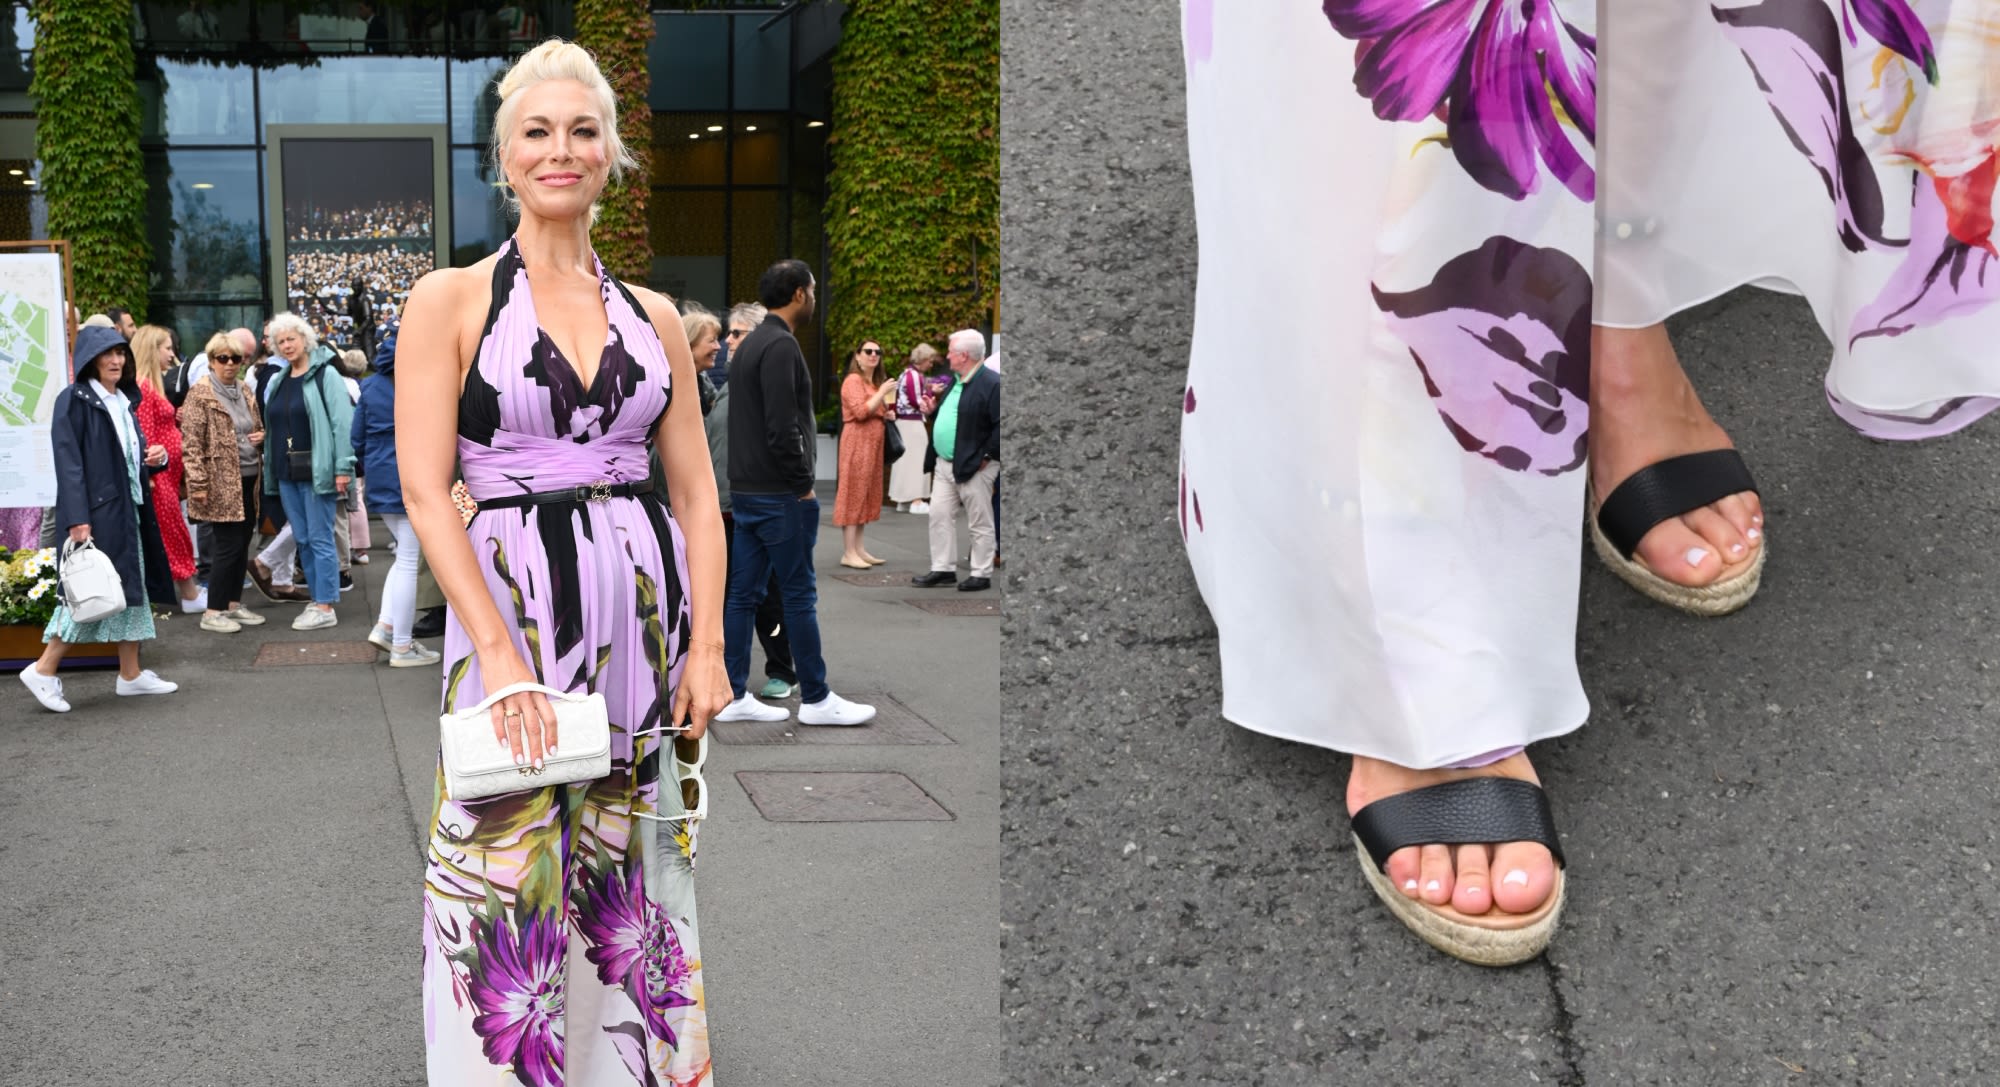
1434	875
1403	870
1719	534
1472	894
1524	875
1744	512
1676	552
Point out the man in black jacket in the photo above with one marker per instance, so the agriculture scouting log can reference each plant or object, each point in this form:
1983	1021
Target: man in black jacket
771	450
964	459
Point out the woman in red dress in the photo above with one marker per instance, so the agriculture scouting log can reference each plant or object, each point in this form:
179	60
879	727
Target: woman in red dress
153	355
865	397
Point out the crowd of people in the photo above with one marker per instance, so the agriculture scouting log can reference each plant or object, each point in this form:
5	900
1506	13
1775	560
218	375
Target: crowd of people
350	296
379	220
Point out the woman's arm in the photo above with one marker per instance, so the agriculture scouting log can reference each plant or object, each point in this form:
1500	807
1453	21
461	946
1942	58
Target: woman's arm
430	360
683	445
194	435
856	404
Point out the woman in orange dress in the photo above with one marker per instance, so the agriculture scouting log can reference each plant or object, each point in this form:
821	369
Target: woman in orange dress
152	356
865	396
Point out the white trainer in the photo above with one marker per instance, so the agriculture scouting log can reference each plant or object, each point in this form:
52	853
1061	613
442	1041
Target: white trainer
147	683
382	637
414	657
195	603
314	618
47	689
920	507
748	708
835	710
245	617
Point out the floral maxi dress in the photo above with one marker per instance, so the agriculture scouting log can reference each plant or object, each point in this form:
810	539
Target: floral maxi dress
1412	211
559	924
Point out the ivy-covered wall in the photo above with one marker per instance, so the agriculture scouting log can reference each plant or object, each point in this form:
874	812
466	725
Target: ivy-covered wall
87	138
616	33
913	190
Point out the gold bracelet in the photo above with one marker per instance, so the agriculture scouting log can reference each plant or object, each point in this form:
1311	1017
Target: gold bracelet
717	646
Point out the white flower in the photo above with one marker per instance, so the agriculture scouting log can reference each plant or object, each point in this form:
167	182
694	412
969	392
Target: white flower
40	590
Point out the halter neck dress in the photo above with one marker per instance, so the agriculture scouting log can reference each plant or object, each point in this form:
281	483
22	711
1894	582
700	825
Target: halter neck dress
559	927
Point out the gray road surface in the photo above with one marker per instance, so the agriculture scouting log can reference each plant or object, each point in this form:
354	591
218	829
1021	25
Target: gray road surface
1781	825
220	888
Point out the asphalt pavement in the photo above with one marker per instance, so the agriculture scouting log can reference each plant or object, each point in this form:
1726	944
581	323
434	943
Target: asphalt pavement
1780	825
221	887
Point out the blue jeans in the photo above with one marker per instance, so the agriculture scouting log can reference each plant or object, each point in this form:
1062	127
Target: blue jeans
311	515
775	535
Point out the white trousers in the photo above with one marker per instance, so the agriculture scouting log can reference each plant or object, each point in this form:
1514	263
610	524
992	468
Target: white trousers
399	592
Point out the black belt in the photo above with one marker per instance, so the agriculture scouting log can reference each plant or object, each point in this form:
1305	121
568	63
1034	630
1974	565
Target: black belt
589	492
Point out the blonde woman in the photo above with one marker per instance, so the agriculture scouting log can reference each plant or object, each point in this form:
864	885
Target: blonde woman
559	934
152	356
909	484
222	428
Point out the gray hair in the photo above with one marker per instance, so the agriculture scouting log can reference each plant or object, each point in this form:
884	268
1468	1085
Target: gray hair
968	342
292	322
98	320
748	313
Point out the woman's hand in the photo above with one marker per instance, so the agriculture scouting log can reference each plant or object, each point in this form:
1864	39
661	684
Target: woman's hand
156	455
79	533
256	437
340	484
524	722
704	689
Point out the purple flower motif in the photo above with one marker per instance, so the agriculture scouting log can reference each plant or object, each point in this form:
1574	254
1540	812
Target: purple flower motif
1892	23
1941	277
1503	74
518	988
634	946
1502	337
1793	48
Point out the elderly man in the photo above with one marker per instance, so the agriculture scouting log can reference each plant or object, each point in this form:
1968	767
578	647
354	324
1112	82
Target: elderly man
965	459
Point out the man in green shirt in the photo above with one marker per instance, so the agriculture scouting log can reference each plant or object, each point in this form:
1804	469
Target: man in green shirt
964	459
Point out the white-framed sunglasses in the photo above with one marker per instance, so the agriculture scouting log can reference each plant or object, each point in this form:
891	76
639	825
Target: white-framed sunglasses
689	756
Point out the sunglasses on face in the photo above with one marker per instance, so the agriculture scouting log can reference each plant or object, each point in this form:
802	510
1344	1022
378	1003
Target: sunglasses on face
226	360
735	332
871	350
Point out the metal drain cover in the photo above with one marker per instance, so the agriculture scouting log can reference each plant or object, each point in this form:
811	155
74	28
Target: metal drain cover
289	654
788	796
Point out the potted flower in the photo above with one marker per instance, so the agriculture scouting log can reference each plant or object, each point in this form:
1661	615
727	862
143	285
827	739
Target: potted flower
28	597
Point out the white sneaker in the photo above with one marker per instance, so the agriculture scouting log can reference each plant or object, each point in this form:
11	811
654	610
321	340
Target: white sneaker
414	657
748	708
920	507
835	710
47	689
220	623
314	618
383	638
147	683
245	616
199	602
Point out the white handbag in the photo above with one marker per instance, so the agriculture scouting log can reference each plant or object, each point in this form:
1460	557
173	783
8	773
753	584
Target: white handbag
90	585
478	765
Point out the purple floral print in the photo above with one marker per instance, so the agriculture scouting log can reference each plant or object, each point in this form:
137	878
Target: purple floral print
1505	76
518	988
1941	276
634	946
1892	23
1502	338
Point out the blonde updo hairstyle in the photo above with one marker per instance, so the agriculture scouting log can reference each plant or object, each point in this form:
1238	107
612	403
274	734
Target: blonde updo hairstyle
558	59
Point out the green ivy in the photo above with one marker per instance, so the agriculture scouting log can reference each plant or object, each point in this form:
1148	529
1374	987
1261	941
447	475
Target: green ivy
87	138
913	189
616	33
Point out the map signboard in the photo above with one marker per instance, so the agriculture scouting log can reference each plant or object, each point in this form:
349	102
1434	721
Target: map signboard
34	367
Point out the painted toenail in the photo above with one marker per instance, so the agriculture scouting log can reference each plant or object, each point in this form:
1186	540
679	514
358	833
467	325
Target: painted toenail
1736	549
1409	885
1475	890
1754	534
1696	554
1433	885
1516	878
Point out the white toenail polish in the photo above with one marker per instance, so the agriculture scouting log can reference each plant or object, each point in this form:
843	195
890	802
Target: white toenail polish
1433	885
1516	878
1736	549
1409	885
1696	554
1754	534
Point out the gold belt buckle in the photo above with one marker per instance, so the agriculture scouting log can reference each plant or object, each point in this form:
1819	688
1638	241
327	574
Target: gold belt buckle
600	491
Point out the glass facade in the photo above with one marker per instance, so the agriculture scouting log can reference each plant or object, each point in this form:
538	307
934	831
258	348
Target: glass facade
739	132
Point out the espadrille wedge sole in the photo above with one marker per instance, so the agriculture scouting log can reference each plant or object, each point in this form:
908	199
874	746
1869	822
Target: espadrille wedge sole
1488	939
1661	492
1463	812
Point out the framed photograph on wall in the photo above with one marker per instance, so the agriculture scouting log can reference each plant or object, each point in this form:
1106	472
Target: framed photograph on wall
359	213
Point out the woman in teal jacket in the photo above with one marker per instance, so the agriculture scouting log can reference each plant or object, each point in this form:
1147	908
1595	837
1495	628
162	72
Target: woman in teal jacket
308	460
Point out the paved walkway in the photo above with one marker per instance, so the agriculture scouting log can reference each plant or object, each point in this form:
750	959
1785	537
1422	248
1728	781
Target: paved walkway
221	886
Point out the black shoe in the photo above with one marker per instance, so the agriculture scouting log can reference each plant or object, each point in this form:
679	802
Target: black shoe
346	582
974	584
429	624
934	579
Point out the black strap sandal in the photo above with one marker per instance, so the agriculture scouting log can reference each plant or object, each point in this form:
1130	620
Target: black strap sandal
1663	491
1470	811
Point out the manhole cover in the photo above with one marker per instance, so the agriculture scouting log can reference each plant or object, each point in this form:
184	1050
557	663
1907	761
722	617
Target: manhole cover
982	605
287	654
894	723
789	796
876	579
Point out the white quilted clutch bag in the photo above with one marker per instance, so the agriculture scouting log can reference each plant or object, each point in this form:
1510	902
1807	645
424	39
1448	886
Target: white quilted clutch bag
477	765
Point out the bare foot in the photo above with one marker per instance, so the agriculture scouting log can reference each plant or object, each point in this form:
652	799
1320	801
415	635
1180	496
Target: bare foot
1516	877
1643	410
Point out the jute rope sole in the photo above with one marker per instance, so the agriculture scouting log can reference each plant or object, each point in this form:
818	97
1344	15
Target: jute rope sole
1719	598
1492	939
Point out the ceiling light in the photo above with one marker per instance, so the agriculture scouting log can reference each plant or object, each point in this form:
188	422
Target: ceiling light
715	128
749	128
204	185
694	135
15	173
815	124
27	181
